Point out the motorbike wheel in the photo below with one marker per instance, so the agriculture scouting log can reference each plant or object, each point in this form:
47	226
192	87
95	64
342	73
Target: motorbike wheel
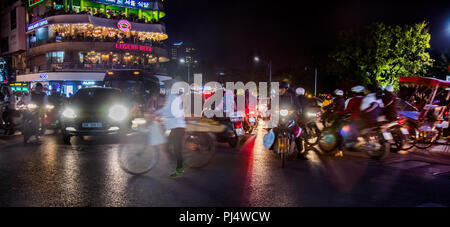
422	142
377	151
329	141
312	135
198	149
399	141
235	142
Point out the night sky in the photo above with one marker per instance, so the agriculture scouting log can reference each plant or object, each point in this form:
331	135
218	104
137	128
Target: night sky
228	33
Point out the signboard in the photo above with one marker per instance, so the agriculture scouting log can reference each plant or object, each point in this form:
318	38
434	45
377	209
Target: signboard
133	47
448	78
136	4
34	2
124	25
44	76
37	25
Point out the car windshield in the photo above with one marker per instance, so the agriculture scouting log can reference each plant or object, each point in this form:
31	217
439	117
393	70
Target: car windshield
96	95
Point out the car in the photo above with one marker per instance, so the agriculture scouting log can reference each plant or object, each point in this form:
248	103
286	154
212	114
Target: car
96	112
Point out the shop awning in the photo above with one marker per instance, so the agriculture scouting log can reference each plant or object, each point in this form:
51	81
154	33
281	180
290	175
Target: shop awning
61	76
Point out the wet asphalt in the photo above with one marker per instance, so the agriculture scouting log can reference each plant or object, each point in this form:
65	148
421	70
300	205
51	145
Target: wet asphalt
87	173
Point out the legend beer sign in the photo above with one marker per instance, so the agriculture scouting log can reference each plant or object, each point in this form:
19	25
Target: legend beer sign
122	46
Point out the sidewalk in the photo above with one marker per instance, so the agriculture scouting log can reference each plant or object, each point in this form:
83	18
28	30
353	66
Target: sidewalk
439	150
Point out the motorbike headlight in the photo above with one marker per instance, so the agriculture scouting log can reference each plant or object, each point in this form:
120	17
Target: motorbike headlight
31	106
50	107
118	112
284	112
69	113
311	114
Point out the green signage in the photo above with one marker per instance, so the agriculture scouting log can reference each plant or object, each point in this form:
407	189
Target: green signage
34	2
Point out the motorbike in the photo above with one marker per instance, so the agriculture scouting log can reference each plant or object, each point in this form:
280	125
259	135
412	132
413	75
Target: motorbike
238	133
311	132
52	118
251	121
286	133
375	142
16	120
31	123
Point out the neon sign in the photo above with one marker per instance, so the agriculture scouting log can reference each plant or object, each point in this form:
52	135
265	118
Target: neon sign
124	25
88	83
133	47
137	4
37	25
34	2
44	76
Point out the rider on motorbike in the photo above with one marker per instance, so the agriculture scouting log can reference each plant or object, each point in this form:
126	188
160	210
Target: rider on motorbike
331	110
40	99
353	107
288	100
390	104
9	100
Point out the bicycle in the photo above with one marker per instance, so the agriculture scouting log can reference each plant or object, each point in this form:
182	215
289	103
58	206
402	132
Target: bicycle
137	157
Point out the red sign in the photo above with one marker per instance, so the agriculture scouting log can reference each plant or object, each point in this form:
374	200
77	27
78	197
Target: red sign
133	47
449	68
124	25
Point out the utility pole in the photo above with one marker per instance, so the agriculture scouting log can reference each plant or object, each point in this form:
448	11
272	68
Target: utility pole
315	83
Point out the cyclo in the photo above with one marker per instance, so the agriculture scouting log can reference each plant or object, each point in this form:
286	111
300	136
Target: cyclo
426	126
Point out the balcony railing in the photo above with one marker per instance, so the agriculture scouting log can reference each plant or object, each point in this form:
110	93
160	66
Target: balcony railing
91	39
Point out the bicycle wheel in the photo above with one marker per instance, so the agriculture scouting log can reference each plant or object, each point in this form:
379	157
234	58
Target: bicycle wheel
137	158
199	149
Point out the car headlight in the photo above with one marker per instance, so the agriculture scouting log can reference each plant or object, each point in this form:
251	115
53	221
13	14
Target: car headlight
118	112
284	112
69	113
50	107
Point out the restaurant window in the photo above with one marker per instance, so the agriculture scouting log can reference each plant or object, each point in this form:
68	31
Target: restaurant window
55	57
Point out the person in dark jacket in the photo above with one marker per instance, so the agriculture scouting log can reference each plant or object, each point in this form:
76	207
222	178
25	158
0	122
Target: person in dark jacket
390	104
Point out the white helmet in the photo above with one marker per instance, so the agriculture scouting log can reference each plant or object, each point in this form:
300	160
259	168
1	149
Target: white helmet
389	88
300	91
339	92
358	89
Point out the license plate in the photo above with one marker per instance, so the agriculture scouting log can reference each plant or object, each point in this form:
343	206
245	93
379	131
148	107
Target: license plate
236	119
388	136
252	120
92	125
405	131
240	132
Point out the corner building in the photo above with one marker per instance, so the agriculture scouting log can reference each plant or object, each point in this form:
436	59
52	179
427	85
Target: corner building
71	44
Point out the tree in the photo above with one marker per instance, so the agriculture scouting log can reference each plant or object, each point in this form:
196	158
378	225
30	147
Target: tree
381	53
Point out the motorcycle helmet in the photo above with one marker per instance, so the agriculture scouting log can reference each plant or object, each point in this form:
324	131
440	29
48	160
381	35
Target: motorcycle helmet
339	92
285	85
300	91
358	89
389	88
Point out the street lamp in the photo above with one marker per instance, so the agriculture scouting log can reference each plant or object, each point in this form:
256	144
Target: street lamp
183	61
269	64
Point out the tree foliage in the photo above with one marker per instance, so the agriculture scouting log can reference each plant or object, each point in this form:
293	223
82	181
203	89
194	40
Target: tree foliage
381	53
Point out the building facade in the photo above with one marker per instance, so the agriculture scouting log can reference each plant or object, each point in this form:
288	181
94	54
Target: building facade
71	44
12	39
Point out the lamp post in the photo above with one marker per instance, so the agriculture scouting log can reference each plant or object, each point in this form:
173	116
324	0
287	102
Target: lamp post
315	80
269	64
183	61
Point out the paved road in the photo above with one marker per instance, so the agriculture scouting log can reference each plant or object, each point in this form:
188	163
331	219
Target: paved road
87	173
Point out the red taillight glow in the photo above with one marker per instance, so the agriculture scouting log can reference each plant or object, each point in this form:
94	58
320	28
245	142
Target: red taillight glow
402	122
239	125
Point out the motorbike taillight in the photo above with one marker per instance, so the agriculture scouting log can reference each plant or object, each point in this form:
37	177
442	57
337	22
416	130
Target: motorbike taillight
401	122
238	125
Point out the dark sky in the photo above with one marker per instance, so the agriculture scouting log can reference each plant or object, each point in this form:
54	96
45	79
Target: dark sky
229	32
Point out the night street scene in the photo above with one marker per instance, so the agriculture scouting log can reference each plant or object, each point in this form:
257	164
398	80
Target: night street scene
230	104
